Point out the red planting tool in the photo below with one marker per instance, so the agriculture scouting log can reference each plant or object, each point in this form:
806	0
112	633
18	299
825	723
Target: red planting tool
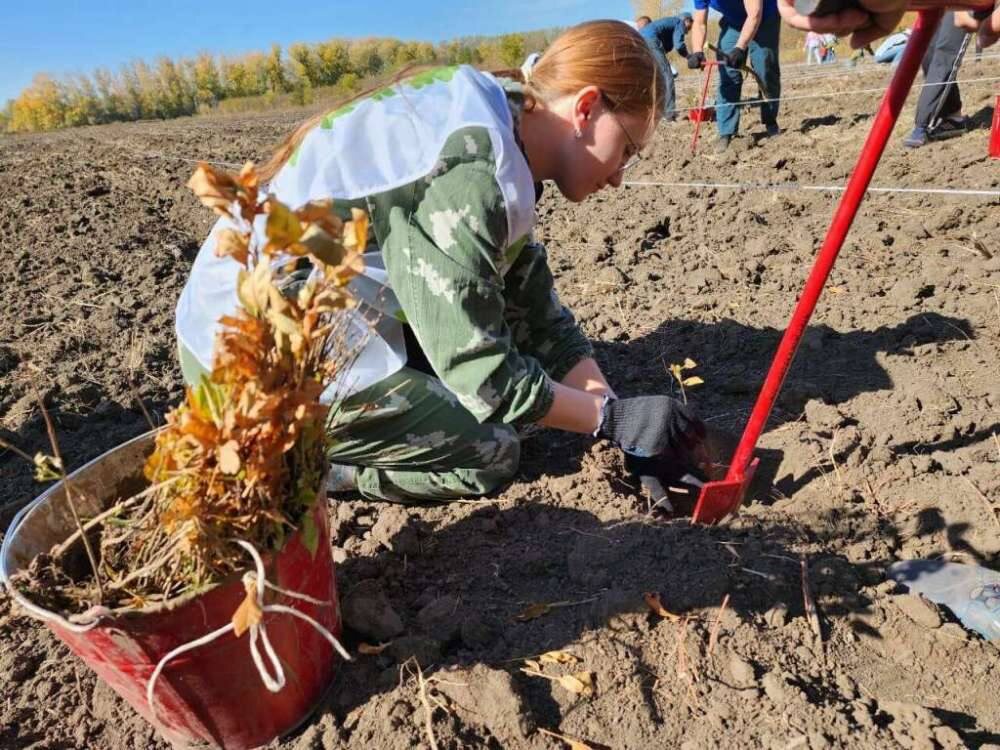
709	66
717	499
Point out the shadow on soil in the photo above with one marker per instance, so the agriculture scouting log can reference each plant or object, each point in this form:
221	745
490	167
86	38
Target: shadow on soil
460	594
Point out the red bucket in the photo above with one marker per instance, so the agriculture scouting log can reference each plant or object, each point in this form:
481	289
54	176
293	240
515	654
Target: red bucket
701	114
995	130
214	693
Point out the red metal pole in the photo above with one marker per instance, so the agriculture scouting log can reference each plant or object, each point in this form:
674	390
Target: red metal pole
709	64
923	30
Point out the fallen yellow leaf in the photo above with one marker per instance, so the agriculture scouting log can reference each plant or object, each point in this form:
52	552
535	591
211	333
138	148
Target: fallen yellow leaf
248	613
654	604
533	611
536	666
581	683
559	657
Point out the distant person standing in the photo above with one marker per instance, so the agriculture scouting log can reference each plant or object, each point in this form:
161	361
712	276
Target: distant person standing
748	28
829	48
664	36
813	44
939	108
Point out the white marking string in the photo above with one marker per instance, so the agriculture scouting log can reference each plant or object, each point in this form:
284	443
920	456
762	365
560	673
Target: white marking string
877	90
795	187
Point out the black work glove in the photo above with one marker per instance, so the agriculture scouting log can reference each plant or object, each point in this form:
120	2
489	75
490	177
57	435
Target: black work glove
735	58
696	60
647	426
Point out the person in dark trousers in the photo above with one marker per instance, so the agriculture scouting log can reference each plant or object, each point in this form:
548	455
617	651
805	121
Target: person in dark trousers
748	29
940	103
663	36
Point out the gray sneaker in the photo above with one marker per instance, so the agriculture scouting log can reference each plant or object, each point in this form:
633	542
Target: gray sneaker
723	143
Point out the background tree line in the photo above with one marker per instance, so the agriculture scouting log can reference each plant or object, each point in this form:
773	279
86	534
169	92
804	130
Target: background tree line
298	75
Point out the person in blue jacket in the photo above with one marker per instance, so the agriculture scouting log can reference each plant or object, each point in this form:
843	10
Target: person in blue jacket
663	36
748	29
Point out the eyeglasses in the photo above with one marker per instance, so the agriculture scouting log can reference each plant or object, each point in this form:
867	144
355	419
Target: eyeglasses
632	155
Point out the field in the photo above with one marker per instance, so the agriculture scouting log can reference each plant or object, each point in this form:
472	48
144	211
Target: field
885	445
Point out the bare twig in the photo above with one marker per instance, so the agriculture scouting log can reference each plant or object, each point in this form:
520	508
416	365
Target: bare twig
833	460
879	510
16	451
68	492
770	577
60	549
142	406
413	666
808	602
713	637
587	533
575	744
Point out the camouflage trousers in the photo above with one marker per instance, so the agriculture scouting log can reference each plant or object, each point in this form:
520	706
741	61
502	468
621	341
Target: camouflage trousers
412	440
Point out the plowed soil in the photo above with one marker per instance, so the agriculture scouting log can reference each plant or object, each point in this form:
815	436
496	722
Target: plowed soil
883	446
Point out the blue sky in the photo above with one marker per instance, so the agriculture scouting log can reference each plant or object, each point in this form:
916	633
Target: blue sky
76	36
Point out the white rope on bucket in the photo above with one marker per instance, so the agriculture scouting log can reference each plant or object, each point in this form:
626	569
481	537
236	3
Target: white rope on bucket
257	631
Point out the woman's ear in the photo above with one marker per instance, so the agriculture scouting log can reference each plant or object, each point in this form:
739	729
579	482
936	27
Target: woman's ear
585	107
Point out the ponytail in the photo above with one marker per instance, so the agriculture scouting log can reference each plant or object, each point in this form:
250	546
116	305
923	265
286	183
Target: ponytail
608	54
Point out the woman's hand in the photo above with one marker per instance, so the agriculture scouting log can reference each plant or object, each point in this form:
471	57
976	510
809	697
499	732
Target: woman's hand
647	426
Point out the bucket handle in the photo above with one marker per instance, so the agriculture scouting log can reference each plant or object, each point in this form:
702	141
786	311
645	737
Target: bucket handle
34	610
276	683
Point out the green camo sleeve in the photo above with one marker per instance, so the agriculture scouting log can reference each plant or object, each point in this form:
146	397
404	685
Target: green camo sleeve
446	268
542	327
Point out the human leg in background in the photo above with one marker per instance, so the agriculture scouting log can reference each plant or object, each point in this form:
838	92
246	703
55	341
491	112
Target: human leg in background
945	101
763	58
730	88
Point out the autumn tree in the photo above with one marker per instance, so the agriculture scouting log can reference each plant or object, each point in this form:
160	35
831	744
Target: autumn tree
39	107
365	58
333	61
205	75
274	71
511	50
457	52
172	88
109	101
81	103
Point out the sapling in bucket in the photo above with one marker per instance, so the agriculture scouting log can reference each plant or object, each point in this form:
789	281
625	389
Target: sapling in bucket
191	567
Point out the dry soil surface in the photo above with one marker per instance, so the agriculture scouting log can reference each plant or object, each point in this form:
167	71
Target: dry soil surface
883	446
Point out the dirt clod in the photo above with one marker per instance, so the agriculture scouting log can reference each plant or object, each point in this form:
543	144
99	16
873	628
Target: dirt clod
367	610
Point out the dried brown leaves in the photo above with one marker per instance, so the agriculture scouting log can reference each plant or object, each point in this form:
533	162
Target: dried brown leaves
244	455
